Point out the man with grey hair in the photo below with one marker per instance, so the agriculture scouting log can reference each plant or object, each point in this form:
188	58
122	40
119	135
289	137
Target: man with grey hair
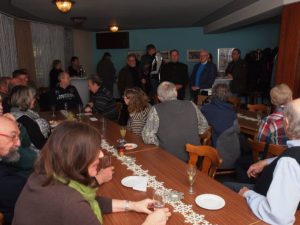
222	117
11	183
203	75
276	194
173	123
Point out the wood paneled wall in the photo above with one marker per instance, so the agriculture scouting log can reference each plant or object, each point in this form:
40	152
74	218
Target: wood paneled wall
288	67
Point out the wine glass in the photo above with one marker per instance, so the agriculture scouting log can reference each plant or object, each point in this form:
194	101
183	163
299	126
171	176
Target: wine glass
53	110
79	111
259	116
158	199
106	161
66	106
123	134
191	171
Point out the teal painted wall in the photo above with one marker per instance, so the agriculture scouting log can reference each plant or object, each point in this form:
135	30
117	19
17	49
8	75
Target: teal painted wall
249	38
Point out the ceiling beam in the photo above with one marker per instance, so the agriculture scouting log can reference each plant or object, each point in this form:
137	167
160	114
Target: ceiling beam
257	11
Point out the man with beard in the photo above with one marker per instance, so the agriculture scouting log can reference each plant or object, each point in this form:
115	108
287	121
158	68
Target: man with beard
11	183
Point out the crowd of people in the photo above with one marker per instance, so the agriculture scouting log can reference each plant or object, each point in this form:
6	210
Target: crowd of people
40	169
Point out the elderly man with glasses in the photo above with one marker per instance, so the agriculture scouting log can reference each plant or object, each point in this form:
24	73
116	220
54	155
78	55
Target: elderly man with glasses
203	75
11	182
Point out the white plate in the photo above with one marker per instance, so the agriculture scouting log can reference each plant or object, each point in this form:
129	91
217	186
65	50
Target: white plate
130	146
210	201
130	181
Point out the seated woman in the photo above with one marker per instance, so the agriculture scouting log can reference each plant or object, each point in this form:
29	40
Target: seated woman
62	189
271	128
225	129
101	100
22	102
138	108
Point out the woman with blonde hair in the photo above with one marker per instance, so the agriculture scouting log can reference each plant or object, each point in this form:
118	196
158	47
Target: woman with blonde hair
272	127
138	108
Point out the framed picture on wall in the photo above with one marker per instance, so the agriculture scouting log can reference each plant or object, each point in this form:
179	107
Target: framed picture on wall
224	57
165	55
193	55
137	53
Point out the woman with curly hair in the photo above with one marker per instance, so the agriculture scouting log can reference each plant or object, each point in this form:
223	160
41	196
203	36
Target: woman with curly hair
138	108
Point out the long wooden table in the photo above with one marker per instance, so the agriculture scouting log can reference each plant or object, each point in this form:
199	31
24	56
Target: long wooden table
172	172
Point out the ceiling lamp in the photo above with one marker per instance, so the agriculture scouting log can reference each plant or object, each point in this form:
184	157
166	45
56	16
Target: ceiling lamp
64	5
114	28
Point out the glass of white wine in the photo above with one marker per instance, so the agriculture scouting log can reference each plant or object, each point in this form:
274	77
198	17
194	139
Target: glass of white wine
123	134
191	171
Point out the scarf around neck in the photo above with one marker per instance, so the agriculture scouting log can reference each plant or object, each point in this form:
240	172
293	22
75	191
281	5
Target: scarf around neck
88	194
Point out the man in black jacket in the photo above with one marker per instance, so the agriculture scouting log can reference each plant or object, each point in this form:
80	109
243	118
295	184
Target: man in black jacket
175	72
64	95
11	183
203	75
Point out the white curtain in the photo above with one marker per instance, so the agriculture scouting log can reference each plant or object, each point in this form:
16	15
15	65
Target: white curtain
48	44
8	51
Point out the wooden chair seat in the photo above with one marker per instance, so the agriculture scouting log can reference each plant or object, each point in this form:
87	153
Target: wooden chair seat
236	102
258	148
258	107
211	159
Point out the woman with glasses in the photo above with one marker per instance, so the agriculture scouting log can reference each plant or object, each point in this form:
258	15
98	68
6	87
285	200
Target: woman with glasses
63	188
138	108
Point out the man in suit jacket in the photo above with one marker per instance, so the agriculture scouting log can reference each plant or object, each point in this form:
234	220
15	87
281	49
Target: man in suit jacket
203	75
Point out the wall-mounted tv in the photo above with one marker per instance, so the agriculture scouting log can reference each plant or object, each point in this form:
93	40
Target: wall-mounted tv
112	40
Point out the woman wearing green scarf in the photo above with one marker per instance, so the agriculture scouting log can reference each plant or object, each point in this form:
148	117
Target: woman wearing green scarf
62	189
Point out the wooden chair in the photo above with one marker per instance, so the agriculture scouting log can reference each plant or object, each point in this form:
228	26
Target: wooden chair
258	148
1	218
258	107
206	137
119	107
211	159
236	102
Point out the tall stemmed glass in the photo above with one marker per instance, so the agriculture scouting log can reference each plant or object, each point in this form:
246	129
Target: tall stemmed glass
79	111
123	134
191	171
53	110
66	106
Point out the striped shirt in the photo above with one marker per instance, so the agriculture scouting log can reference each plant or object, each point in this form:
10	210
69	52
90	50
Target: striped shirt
104	103
137	121
272	129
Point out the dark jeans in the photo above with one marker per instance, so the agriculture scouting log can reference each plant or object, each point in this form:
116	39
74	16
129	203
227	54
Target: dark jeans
238	186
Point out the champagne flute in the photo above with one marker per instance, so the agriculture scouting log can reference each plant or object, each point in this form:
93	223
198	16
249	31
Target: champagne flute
191	171
53	110
159	200
79	111
123	134
259	117
66	106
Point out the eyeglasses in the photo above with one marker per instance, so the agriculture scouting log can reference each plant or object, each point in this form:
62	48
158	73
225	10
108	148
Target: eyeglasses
13	138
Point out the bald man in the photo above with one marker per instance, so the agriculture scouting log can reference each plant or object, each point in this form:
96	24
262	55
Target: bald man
203	75
276	194
11	184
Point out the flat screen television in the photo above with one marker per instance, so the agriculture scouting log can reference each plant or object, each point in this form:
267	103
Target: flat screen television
112	40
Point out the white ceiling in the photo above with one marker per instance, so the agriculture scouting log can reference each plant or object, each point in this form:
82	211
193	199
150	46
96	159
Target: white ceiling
127	14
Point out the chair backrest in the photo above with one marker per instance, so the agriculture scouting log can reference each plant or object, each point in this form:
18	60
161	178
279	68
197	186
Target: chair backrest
211	159
236	102
201	99
258	107
1	218
206	137
119	107
258	147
